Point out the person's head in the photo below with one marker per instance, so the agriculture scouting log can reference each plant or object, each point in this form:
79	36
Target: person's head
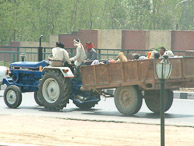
62	45
76	42
59	44
156	55
162	50
89	45
135	56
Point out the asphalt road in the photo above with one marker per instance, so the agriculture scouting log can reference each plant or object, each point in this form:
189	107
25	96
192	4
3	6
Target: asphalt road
181	113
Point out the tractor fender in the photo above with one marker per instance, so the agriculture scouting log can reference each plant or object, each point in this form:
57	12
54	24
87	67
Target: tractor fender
66	71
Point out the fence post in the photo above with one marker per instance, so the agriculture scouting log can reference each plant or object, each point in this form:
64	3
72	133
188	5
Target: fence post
99	54
128	52
71	52
44	53
18	53
13	56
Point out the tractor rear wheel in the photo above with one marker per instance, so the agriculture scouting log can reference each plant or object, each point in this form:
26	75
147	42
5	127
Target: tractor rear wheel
37	99
12	96
54	90
152	100
128	100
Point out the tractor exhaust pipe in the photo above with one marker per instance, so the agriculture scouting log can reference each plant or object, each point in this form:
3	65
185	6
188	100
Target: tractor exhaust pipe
40	49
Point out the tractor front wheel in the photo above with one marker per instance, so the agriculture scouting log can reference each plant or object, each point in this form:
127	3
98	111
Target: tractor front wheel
12	96
37	99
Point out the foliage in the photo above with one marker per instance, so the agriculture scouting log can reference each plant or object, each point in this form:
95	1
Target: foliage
25	20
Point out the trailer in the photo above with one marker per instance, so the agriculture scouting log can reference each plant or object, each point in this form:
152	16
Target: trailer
137	80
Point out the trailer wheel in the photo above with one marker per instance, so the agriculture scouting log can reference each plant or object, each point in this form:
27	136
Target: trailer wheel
37	99
12	96
54	90
152	100
128	100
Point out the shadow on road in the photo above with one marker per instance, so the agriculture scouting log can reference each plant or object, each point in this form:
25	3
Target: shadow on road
140	115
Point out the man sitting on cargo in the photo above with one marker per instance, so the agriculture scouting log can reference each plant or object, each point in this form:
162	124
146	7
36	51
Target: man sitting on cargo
59	56
90	52
163	52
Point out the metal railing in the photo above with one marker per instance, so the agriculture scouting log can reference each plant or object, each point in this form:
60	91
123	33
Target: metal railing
12	54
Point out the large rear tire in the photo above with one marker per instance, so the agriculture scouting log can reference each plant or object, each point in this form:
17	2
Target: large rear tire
12	96
54	90
128	100
152	100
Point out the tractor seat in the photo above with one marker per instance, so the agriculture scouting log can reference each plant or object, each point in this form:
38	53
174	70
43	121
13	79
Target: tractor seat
29	64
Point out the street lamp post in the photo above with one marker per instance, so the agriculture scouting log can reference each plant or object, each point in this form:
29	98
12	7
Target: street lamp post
163	71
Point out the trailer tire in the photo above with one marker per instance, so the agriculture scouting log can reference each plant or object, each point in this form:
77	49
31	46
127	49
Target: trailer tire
54	90
128	100
12	96
152	100
37	99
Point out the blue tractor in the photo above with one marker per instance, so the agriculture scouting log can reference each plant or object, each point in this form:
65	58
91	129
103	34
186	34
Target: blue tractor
52	86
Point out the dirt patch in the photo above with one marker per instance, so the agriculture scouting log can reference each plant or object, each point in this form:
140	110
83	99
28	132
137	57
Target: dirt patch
59	132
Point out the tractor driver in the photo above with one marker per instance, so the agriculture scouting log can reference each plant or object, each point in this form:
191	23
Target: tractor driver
59	55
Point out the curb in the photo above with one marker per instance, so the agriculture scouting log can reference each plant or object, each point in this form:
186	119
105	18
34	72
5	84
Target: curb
183	95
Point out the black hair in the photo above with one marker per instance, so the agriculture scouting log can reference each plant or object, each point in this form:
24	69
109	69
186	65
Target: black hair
135	56
77	40
163	48
156	55
60	44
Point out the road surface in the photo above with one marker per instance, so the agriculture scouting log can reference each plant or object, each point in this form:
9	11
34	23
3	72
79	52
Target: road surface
180	114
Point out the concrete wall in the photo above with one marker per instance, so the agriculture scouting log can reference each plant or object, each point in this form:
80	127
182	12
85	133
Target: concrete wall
116	39
34	57
157	39
83	35
135	40
51	43
182	40
109	39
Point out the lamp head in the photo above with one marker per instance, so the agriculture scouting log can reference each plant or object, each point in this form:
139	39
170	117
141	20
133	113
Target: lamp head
163	68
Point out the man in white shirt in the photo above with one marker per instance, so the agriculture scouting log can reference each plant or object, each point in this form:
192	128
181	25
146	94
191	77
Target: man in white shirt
80	53
168	53
60	55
